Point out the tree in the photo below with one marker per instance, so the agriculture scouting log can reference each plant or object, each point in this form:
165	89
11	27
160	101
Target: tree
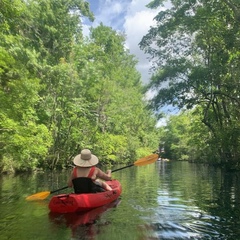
52	27
112	85
196	47
61	92
22	139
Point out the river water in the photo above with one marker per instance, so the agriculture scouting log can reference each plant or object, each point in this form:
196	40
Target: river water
163	200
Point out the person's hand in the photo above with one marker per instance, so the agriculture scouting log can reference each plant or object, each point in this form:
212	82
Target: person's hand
94	177
109	173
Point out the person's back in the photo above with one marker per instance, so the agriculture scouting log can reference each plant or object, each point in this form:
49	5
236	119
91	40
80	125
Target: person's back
85	169
84	185
82	180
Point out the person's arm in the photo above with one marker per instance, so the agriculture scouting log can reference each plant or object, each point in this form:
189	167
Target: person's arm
104	176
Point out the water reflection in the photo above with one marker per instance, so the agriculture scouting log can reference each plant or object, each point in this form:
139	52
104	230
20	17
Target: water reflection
196	203
165	200
83	225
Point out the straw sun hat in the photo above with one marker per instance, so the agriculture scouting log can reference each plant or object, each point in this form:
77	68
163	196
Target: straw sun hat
85	159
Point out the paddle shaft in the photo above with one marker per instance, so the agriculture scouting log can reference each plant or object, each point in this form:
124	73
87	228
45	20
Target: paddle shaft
58	189
122	168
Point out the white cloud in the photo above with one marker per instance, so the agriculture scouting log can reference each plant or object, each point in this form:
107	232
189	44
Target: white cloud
117	8
138	21
136	26
85	29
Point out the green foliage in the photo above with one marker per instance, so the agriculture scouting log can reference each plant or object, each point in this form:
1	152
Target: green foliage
111	148
196	44
22	139
52	27
176	138
60	93
24	145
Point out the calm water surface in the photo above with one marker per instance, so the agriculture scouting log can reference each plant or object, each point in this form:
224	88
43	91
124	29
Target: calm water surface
164	200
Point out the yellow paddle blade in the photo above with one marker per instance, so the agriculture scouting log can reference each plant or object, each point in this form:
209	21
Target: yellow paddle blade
146	160
38	196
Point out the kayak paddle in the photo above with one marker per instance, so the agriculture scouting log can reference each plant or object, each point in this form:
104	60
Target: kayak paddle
140	162
43	195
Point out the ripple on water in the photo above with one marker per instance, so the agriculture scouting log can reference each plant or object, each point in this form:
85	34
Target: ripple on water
176	218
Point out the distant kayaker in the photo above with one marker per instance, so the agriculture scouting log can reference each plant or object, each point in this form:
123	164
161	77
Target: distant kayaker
86	169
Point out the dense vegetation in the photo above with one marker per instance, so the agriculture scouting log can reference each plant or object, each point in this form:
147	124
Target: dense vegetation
61	92
196	50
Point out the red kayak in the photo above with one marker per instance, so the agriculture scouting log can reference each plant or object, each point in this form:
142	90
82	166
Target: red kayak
67	203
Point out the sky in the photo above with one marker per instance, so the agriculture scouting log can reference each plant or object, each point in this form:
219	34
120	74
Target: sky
131	17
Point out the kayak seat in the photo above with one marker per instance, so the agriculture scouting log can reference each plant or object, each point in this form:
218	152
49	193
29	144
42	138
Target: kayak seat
83	185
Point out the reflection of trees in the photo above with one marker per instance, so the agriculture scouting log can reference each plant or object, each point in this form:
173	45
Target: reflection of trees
229	194
145	186
199	199
214	191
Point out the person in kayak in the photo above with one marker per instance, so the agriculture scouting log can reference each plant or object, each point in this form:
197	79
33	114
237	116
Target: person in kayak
86	177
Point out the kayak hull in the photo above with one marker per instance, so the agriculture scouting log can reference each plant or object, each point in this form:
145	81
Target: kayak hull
67	203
